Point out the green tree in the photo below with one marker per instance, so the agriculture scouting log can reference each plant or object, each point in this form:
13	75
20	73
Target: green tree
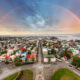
49	52
76	62
65	53
48	60
33	59
53	51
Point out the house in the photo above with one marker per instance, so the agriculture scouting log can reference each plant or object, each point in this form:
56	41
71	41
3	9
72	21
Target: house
53	60
64	58
45	60
10	51
13	57
6	56
33	56
75	52
2	58
23	59
45	51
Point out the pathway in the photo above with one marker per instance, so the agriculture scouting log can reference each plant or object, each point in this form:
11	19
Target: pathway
39	67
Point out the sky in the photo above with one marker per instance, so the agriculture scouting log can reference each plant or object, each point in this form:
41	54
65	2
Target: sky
24	17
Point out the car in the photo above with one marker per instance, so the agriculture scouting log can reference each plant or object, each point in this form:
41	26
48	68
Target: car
78	68
66	61
70	66
59	60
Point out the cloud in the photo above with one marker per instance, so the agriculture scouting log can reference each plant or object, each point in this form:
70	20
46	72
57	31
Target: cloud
35	15
36	22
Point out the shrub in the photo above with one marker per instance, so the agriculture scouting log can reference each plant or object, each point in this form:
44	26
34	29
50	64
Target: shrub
20	75
76	62
20	64
6	62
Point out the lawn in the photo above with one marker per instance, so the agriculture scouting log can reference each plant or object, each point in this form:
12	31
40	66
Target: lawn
64	74
27	75
11	77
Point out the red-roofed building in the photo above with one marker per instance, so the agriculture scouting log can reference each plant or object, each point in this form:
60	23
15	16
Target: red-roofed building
22	49
6	56
28	56
11	47
70	54
33	55
19	46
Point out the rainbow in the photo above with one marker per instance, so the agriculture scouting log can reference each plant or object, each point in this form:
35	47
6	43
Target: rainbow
75	26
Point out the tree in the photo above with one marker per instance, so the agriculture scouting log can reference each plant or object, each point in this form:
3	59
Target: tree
53	51
25	50
33	59
26	60
65	53
76	62
49	52
49	44
6	62
32	47
48	60
17	59
29	52
68	56
14	52
62	53
5	47
44	44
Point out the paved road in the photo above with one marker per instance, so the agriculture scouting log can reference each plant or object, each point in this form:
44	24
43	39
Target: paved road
6	72
39	67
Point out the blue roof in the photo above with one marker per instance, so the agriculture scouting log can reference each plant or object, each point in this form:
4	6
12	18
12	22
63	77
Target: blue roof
23	58
61	50
48	48
25	52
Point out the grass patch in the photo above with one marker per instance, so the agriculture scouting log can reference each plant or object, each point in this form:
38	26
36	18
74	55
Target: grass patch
64	74
27	71
11	77
65	77
27	75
